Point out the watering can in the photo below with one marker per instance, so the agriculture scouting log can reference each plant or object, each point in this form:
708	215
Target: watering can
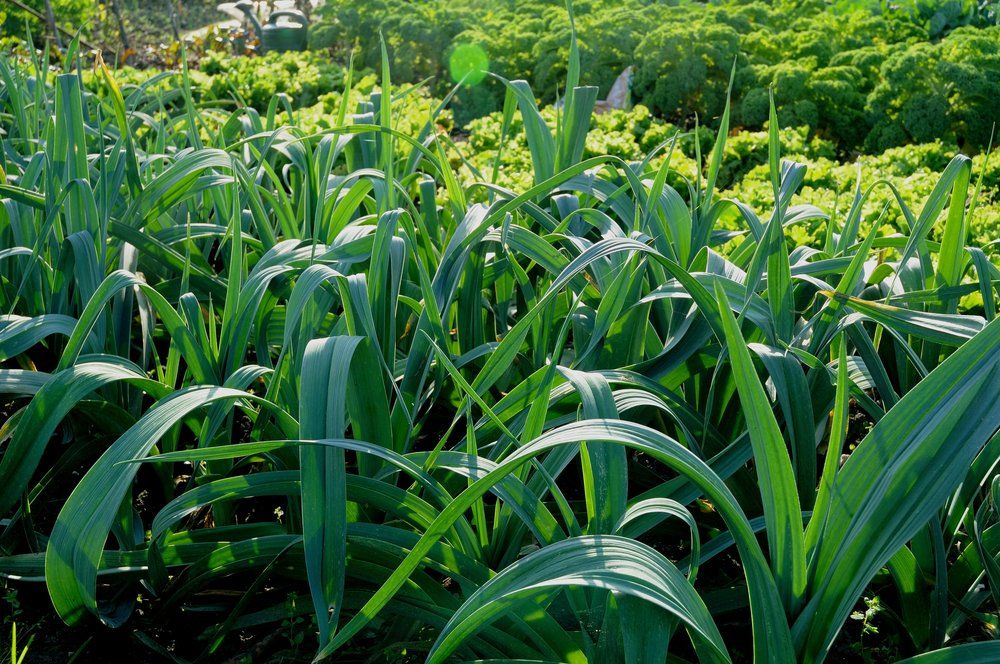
290	34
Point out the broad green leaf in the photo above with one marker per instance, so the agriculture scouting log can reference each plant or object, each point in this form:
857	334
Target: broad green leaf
923	448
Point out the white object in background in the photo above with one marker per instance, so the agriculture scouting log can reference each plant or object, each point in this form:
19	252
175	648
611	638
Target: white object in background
618	96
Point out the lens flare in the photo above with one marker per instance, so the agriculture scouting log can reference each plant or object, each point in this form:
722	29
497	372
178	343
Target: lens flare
468	63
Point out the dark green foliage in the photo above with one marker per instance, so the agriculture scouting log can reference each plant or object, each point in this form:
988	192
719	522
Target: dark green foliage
943	16
857	75
683	67
948	90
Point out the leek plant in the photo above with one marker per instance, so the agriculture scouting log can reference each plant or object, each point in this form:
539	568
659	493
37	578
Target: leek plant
573	423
